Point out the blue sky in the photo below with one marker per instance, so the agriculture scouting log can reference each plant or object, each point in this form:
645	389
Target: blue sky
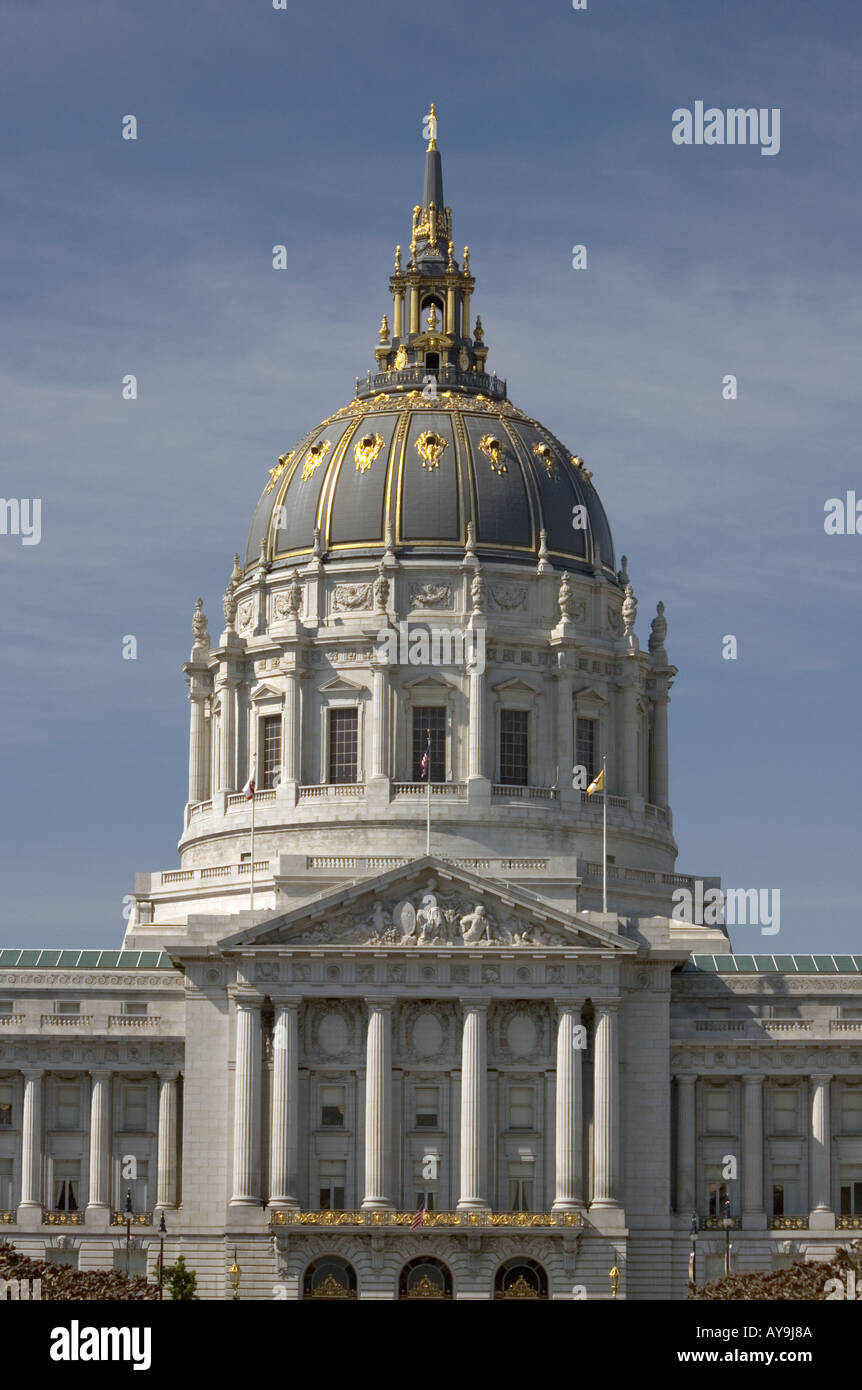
303	127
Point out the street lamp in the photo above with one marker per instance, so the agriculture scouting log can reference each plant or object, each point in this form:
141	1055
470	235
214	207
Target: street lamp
727	1222
235	1275
163	1230
128	1229
692	1257
614	1276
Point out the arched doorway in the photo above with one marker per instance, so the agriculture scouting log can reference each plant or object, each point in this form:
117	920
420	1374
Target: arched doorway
520	1278
329	1277
425	1277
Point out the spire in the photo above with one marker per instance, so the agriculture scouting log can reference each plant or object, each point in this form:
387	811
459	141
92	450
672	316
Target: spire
432	185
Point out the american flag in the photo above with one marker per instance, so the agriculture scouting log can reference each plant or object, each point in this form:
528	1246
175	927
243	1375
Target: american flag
425	761
419	1218
248	789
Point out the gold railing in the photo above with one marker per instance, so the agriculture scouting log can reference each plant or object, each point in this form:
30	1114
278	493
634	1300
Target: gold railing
469	1219
849	1223
62	1218
789	1223
8	1218
137	1218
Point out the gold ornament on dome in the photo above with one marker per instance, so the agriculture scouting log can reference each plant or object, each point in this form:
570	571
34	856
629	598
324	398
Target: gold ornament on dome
400	359
545	456
493	450
520	1289
578	462
330	1287
275	473
429	447
314	458
366	451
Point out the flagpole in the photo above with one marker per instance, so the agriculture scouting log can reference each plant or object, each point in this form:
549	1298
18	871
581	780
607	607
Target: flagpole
428	795
604	833
253	799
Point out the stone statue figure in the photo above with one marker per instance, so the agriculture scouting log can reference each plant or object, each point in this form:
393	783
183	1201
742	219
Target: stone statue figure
477	926
477	594
381	590
293	596
564	598
629	611
430	920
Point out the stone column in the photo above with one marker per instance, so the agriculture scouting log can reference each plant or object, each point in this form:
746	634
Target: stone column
98	1205
465	314
246	1150
686	1194
569	1177
198	748
659	788
414	309
450	310
380	721
565	731
378	1106
474	1108
284	1111
606	1106
290	728
227	760
822	1216
397	301
30	1208
166	1178
753	1213
476	758
629	771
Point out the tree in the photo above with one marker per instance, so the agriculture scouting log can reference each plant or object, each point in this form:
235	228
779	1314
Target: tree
182	1282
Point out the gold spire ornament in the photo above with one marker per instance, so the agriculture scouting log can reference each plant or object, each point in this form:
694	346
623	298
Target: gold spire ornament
384	330
430	129
466	260
451	262
398	270
431	320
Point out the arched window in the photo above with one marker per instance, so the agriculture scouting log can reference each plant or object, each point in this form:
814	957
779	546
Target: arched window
329	1277
520	1278
432	361
425	1278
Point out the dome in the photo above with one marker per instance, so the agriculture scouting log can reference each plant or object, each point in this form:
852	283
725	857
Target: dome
419	470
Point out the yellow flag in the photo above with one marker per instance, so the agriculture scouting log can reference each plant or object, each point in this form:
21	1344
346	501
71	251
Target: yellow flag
597	784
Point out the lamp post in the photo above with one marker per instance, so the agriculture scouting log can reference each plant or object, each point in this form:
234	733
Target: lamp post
235	1274
163	1230
128	1230
692	1257
727	1222
614	1276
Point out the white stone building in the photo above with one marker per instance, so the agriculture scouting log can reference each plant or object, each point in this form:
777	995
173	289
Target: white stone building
397	1046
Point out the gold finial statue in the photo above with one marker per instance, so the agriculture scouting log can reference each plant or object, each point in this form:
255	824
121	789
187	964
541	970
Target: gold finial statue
431	320
384	329
398	260
478	331
466	260
430	128
451	264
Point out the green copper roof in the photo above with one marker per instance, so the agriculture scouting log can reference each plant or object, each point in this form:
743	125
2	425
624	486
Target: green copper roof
784	965
38	959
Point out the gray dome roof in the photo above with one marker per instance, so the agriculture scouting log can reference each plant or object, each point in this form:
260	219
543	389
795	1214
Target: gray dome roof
426	468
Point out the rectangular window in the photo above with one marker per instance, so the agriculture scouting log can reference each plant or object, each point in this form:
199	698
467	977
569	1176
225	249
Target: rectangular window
429	718
136	1187
270	739
786	1191
343	745
68	1258
521	1179
785	1011
717	1110
513	747
852	1015
5	1184
785	1110
135	1108
67	1184
5	1008
717	1191
851	1110
427	1107
68	1010
332	1173
134	1010
332	1107
132	1262
69	1107
5	1104
585	745
521	1108
426	1190
851	1190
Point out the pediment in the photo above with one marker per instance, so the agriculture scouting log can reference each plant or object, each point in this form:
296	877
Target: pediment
516	685
338	683
430	682
429	903
265	692
589	692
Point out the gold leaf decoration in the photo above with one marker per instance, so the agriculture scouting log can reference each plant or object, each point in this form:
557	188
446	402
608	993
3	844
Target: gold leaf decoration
545	456
492	448
366	451
275	473
430	446
314	458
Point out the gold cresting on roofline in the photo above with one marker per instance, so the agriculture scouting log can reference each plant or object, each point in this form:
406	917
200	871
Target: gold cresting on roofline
469	1219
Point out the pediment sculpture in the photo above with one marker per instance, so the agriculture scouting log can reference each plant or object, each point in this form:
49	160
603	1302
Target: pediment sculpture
429	918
